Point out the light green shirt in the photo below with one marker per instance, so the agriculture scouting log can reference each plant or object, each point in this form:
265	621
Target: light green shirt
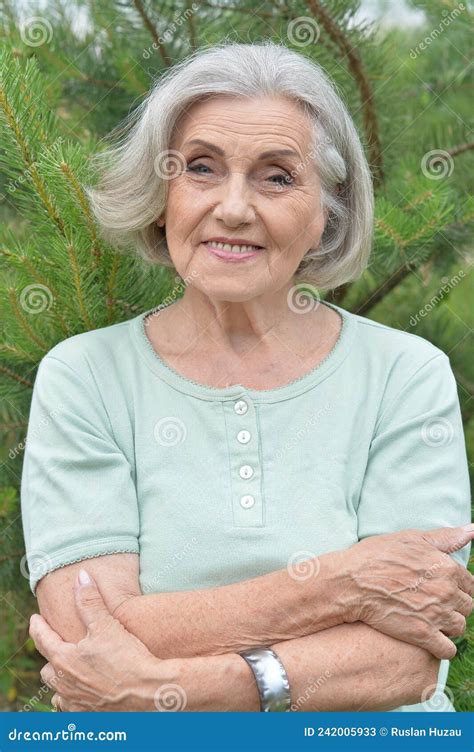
217	485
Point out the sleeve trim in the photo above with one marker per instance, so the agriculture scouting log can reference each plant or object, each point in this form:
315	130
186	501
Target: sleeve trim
80	551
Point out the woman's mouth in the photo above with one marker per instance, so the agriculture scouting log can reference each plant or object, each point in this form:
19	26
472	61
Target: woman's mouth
232	252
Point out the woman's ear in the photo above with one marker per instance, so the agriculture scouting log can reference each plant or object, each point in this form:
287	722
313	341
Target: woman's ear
160	222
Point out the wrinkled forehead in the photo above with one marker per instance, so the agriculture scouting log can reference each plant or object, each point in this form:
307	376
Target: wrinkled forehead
241	123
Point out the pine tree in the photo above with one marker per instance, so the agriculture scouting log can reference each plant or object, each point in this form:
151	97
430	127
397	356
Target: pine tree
64	89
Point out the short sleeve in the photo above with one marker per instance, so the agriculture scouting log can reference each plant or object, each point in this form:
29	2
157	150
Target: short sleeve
417	471
78	496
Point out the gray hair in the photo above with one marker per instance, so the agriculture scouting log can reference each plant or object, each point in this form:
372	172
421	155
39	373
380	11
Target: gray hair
132	194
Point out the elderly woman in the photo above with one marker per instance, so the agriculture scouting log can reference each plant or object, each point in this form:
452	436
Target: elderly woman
268	489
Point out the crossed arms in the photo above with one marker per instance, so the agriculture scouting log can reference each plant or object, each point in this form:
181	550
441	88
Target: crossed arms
332	663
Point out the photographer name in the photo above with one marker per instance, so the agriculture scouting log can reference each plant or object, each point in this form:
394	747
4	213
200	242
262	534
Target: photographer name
431	731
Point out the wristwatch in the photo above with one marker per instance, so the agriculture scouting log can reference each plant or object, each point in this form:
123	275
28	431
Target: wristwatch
271	678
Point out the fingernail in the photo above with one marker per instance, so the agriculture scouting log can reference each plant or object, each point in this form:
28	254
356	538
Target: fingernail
468	527
84	578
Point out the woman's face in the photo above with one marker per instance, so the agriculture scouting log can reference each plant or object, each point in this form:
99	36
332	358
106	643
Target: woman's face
226	188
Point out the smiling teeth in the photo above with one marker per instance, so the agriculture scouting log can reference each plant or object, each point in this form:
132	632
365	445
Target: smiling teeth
232	248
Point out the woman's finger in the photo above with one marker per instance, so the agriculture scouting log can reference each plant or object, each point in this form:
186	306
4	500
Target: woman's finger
464	604
465	580
455	625
57	702
449	539
439	645
90	603
48	675
47	641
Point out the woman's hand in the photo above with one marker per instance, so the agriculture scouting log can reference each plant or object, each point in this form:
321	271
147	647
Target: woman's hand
408	587
109	669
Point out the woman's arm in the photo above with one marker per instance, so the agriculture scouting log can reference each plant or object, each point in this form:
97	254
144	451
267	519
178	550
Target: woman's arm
266	609
349	667
355	667
381	581
371	582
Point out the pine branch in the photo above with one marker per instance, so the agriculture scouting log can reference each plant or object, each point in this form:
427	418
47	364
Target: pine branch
26	262
468	412
111	286
83	203
167	60
76	274
418	200
20	317
385	288
13	555
13	426
14	124
464	381
356	68
16	376
241	9
461	148
22	355
193	41
66	67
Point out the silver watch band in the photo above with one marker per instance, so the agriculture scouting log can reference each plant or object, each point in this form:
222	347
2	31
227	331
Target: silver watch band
272	680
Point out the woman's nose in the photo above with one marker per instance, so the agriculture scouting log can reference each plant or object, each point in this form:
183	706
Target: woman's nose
234	203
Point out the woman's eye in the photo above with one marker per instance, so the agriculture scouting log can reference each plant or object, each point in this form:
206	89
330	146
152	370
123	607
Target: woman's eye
279	179
195	168
282	180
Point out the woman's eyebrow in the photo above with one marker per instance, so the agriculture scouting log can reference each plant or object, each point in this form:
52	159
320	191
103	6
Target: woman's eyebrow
263	155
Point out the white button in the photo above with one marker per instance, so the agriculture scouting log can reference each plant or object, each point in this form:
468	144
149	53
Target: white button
247	501
246	471
243	437
241	407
